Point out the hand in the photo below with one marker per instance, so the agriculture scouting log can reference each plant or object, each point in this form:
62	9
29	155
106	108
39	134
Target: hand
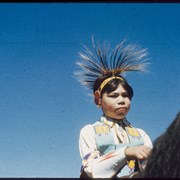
140	152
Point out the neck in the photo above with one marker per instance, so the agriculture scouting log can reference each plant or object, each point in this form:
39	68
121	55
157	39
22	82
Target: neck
123	121
113	119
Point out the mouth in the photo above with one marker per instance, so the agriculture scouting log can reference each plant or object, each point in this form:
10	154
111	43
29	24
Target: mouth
121	109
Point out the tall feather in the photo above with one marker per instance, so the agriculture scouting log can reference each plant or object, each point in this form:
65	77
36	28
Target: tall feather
98	63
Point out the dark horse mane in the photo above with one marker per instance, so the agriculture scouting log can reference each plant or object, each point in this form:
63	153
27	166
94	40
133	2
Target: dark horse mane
164	161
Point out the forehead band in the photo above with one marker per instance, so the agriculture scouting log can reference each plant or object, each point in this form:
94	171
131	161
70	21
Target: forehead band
107	80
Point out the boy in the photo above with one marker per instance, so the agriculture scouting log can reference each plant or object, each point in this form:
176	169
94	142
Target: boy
112	147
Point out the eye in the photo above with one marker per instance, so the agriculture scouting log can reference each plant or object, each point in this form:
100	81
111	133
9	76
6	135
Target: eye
113	95
125	95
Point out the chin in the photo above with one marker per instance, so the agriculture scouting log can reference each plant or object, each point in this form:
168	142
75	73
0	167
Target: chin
120	116
116	116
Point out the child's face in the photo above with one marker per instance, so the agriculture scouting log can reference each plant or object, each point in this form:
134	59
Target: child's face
115	104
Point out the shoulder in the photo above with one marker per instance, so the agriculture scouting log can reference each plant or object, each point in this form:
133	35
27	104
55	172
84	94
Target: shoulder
88	129
145	136
90	126
141	131
87	141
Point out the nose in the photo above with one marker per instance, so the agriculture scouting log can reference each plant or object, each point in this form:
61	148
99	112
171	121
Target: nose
120	100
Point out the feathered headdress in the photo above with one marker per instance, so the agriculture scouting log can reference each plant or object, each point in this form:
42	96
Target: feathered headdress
98	64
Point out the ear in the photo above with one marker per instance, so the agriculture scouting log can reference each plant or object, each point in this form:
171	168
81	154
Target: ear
97	98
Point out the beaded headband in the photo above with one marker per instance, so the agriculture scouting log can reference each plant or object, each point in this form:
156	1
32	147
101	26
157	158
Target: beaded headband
106	81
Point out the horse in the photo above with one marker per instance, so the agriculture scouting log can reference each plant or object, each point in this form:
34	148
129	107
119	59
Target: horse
164	160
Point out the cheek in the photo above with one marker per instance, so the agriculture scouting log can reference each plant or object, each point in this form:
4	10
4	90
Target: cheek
107	106
104	105
128	103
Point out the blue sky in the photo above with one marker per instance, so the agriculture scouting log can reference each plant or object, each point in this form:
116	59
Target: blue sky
43	106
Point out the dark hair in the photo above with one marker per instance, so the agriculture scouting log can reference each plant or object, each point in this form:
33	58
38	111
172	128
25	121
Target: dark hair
112	85
164	161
